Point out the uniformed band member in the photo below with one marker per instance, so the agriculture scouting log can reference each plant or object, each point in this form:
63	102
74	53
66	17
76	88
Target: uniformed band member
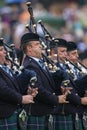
81	76
46	99
10	95
72	55
62	54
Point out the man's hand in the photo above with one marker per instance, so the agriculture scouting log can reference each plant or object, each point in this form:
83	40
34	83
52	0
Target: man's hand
27	99
32	91
84	100
62	99
66	90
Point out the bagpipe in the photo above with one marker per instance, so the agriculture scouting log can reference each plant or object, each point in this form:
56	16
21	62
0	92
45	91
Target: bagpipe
81	69
69	65
45	39
12	60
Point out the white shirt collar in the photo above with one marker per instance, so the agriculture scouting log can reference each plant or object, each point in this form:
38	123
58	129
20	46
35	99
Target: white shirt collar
0	65
36	59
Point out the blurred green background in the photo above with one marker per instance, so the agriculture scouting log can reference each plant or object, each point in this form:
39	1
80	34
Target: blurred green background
48	2
2	3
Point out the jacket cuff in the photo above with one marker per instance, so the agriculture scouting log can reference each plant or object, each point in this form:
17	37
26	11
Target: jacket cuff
74	98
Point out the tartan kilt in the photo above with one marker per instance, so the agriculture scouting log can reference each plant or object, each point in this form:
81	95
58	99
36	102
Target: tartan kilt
9	123
36	123
63	122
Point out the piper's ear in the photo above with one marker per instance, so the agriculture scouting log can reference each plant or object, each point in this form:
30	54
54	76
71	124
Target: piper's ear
28	48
